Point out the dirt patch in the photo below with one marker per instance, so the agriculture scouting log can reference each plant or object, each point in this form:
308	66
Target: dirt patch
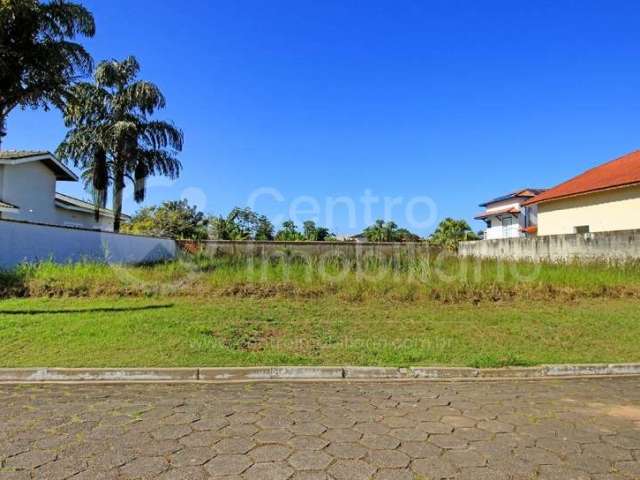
248	336
259	290
629	412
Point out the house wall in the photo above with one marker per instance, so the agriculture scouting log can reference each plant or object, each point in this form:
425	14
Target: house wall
497	230
31	186
72	218
616	209
32	242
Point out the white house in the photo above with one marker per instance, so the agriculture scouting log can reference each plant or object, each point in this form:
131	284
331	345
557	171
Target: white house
507	217
28	192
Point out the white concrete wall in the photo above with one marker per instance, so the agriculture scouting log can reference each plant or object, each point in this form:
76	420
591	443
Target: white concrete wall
29	242
621	245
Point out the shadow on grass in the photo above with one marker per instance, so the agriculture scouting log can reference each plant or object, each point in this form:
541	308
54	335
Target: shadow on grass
85	310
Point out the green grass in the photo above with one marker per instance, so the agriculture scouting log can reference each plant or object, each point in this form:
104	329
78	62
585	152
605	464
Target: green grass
225	331
201	311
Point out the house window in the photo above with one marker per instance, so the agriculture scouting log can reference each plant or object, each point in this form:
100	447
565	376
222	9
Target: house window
581	229
507	221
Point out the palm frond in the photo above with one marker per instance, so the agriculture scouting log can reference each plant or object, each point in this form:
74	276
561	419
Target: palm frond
159	134
61	18
143	95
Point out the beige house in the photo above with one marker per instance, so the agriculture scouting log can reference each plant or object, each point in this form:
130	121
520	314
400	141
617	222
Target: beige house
605	198
28	182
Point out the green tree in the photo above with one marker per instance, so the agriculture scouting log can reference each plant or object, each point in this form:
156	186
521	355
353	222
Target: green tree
174	219
289	232
264	229
311	232
112	137
241	224
450	232
38	58
404	235
382	231
375	232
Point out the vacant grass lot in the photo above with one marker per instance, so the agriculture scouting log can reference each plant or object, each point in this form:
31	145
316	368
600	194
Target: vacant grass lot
217	312
250	331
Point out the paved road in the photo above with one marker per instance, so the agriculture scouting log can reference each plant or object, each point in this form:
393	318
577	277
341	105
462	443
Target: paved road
344	431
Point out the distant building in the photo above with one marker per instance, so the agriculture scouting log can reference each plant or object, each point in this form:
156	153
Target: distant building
359	238
604	198
28	192
507	217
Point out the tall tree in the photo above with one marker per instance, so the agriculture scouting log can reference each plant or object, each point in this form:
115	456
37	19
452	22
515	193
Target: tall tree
112	137
289	232
375	232
382	231
241	224
38	58
450	232
174	219
312	232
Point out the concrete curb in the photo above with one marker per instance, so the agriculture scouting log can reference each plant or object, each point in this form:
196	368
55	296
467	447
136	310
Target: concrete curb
97	374
252	374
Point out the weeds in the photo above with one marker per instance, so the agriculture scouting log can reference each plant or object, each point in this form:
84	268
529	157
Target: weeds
444	280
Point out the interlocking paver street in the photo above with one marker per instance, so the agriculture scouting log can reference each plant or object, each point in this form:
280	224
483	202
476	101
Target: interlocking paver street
567	429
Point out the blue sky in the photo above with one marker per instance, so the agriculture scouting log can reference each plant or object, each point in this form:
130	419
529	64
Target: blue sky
458	101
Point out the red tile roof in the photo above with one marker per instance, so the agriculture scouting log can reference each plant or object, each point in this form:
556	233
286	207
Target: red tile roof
616	173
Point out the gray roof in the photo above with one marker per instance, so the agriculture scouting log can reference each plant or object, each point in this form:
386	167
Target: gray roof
61	171
63	201
515	194
8	206
17	154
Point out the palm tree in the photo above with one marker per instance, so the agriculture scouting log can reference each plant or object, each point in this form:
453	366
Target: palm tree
450	232
112	138
382	231
241	224
38	59
229	227
289	232
375	232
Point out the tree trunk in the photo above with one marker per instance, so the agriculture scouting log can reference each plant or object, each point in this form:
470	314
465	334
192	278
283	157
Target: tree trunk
118	189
